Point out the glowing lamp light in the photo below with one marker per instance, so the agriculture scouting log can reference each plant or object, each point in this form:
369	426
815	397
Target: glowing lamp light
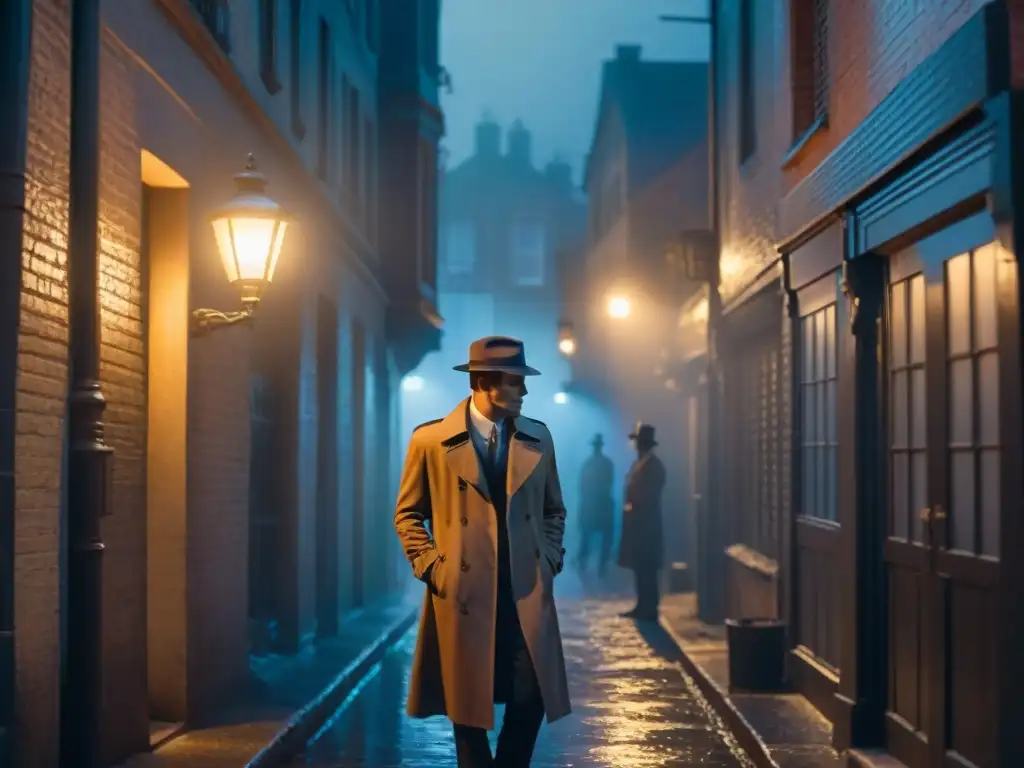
561	398
412	383
566	339
619	307
249	230
567	347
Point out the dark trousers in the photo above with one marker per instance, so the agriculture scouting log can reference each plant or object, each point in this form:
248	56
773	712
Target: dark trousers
603	537
515	684
647	597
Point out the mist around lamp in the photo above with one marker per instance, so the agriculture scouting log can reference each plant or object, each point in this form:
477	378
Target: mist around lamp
249	230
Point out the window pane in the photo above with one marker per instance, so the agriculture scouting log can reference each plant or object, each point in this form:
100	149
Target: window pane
990	477
961	402
985	309
898	485
830	412
962	500
820	345
918	408
898	324
988	399
807	342
810	434
898	411
830	360
958	298
918	493
917	324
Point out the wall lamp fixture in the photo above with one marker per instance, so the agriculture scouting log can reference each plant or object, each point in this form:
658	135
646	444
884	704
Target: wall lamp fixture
249	230
566	338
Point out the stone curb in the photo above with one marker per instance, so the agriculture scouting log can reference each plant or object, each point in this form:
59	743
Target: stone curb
304	724
748	739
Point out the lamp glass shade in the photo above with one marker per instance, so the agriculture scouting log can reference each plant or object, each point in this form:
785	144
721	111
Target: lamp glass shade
249	246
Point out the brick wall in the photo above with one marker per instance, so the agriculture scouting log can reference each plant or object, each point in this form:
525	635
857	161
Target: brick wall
42	389
872	46
158	95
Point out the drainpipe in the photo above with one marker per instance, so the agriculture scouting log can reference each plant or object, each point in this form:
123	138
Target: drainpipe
88	455
712	608
15	50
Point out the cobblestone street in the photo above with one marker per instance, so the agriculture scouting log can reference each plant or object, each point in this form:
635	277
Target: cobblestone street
632	706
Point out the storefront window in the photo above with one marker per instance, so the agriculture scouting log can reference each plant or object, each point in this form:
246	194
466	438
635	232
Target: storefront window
818	413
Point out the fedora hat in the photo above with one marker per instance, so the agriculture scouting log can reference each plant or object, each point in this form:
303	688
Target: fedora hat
497	353
643	433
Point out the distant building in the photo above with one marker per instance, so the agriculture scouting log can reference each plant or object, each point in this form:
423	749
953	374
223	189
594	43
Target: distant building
646	180
250	466
503	225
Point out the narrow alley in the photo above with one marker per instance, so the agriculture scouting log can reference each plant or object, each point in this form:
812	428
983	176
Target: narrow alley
632	705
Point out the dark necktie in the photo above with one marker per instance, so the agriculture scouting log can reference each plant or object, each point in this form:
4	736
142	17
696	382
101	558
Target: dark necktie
492	446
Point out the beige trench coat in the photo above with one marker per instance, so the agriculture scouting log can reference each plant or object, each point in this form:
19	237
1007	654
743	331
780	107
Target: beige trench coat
443	484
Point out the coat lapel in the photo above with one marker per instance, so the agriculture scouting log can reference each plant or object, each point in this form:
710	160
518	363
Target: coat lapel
461	455
524	454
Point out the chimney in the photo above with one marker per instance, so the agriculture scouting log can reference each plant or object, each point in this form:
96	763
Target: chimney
559	173
519	144
627	53
488	137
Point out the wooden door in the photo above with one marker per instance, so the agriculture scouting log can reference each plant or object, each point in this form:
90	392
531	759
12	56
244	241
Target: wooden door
943	537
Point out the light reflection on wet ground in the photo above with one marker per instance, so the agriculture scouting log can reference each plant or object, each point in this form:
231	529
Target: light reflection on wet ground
632	707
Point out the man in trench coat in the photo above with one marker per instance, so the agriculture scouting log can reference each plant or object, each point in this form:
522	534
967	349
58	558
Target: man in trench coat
481	519
640	549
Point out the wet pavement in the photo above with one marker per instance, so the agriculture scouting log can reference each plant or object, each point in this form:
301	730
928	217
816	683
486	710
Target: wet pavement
632	706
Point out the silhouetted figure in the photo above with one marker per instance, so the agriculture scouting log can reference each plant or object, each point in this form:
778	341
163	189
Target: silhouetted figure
597	511
641	548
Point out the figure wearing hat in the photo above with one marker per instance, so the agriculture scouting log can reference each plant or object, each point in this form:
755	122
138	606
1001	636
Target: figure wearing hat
641	546
481	519
597	511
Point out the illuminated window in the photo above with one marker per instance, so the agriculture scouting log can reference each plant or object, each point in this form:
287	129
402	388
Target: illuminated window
460	248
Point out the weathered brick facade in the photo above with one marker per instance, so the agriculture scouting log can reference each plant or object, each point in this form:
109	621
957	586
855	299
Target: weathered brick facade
167	89
907	84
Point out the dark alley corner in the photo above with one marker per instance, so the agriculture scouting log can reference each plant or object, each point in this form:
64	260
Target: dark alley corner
749	269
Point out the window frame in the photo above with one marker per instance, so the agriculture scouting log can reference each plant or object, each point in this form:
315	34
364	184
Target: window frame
816	406
810	78
520	279
324	101
468	226
269	45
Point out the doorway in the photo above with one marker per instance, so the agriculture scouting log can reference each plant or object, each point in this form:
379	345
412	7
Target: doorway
327	592
165	263
264	516
942	544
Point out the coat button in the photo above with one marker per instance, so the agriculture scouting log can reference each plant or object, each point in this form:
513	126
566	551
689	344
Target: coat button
465	567
442	558
527	517
464	609
465	522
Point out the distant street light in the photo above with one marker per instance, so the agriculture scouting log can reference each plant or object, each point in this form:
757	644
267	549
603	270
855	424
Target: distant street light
619	307
412	383
250	231
566	339
561	398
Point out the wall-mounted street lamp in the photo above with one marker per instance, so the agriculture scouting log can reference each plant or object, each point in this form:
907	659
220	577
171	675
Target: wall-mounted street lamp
619	307
566	339
249	230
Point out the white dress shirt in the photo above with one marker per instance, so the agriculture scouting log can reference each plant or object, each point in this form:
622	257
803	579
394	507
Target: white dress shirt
481	431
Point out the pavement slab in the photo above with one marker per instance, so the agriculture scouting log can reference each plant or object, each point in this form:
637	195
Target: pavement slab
633	706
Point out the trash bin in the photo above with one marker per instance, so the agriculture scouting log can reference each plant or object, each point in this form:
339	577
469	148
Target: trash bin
677	579
757	655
